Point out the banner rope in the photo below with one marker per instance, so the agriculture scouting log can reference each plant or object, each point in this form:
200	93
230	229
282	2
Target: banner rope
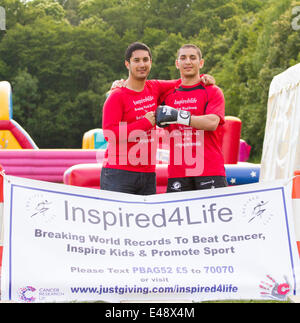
2	173
291	179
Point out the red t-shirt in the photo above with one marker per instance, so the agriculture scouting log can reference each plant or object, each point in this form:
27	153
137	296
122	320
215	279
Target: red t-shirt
130	136
196	152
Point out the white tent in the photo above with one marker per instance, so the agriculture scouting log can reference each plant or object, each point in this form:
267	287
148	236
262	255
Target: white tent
281	148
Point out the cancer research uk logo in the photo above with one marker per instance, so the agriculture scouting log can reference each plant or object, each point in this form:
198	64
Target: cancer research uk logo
40	208
25	294
257	210
29	294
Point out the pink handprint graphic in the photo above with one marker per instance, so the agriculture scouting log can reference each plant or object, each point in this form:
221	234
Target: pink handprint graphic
270	288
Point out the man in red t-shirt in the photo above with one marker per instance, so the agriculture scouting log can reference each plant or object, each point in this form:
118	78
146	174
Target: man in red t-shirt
129	127
194	114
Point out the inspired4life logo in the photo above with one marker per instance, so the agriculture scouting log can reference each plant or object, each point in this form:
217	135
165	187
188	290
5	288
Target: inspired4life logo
257	209
40	208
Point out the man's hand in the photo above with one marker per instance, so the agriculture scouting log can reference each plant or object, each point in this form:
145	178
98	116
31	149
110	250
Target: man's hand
151	117
208	80
166	115
118	83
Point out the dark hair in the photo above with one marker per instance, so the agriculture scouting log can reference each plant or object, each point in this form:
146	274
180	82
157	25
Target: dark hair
136	46
191	46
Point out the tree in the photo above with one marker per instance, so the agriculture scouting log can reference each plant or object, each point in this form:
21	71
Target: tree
25	96
62	56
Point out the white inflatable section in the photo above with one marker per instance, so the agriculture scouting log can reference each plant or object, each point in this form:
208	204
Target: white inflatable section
281	148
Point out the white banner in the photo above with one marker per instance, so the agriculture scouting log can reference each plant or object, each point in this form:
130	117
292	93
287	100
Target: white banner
64	243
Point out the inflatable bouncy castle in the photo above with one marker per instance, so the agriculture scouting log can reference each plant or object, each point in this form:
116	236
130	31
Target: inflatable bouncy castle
20	156
94	139
12	135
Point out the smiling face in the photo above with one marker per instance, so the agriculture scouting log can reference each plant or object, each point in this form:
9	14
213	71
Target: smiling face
189	62
139	65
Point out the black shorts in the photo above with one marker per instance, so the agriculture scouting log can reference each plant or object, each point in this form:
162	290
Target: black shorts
182	184
125	181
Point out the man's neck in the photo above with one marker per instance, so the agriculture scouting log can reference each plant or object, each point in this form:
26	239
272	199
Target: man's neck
189	81
135	85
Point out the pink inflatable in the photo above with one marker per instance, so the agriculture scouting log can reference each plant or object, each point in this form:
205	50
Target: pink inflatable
244	151
45	164
88	175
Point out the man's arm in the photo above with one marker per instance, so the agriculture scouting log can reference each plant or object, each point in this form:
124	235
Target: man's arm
166	85
208	122
215	111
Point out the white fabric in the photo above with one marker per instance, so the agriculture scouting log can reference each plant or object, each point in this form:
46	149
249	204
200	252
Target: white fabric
281	148
296	212
67	243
